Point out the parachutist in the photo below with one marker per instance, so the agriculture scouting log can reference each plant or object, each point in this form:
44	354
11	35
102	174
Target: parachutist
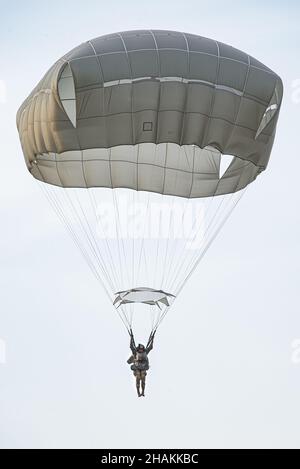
80	147
140	361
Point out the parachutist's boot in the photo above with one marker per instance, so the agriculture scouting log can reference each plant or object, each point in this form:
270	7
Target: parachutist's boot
143	389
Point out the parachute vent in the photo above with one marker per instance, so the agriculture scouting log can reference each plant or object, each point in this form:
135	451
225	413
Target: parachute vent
66	91
225	162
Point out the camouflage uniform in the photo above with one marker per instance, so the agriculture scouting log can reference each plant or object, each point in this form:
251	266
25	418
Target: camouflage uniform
140	363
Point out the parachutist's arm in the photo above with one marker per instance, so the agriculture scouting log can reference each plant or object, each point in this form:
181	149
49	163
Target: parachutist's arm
150	343
132	343
150	347
132	347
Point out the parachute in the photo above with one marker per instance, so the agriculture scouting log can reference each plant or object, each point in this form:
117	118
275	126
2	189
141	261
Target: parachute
144	142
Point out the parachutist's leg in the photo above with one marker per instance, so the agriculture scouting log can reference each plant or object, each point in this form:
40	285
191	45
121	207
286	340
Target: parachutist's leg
143	383
143	386
138	387
138	382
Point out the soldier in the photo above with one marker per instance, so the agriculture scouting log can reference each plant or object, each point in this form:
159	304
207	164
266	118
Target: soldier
140	361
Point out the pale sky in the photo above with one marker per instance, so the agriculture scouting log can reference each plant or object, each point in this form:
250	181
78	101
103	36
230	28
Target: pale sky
225	371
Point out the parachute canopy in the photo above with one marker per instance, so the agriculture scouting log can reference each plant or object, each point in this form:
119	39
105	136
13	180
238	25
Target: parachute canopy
152	111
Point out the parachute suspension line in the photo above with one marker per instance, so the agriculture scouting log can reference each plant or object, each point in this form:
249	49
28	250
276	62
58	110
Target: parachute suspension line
116	208
56	205
175	252
181	251
156	276
184	265
143	239
176	249
94	243
124	318
57	209
168	238
214	226
127	315
197	260
157	315
160	318
157	247
72	216
146	224
170	223
152	314
182	260
96	251
120	240
168	241
116	228
133	238
165	270
99	219
130	314
127	322
89	237
176	261
164	313
147	275
147	256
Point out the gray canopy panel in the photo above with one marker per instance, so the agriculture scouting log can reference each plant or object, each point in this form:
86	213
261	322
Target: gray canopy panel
154	111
